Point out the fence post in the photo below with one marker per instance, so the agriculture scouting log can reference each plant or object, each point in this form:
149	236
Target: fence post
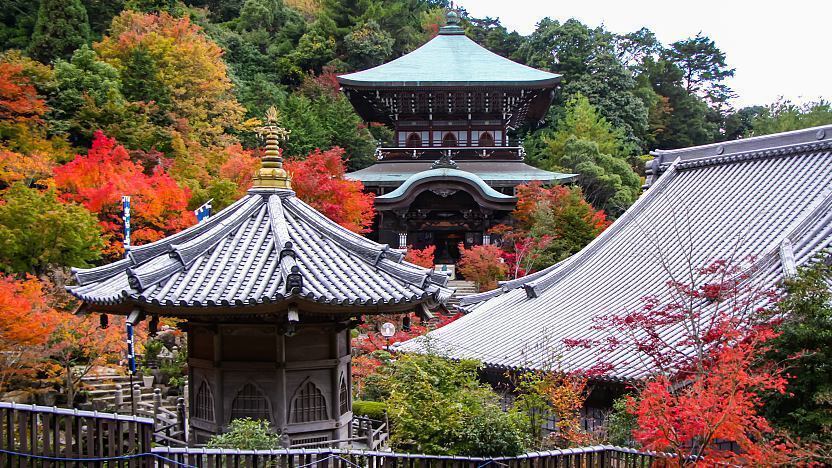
136	397
119	398
157	404
181	418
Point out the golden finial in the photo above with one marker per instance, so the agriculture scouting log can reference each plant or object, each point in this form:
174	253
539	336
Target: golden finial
271	173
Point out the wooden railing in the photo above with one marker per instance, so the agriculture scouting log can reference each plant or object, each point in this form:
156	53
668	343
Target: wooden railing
370	433
46	434
587	457
170	427
55	437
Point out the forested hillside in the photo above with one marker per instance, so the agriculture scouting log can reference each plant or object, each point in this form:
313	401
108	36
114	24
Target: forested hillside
161	99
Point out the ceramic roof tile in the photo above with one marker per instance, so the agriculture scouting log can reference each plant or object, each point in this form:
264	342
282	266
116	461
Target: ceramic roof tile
244	254
743	200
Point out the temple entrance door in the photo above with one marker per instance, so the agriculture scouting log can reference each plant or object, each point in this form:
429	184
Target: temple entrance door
447	246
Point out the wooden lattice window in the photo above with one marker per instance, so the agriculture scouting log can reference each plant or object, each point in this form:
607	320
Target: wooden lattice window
486	139
309	404
414	140
250	403
344	395
204	402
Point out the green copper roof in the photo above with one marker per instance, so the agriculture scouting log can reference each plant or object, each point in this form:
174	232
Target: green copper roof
446	174
450	59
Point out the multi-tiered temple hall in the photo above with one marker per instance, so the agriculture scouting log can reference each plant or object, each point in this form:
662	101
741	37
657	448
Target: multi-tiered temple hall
450	174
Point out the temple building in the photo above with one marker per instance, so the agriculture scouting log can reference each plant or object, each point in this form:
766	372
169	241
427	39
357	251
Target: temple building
268	290
765	202
450	173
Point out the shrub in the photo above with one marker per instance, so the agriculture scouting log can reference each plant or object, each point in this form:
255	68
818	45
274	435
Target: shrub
437	406
246	434
369	409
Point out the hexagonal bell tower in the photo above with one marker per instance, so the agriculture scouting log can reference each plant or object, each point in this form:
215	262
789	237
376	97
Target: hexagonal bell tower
268	289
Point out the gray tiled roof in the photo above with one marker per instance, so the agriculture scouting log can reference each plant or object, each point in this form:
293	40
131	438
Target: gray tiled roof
450	60
244	254
768	198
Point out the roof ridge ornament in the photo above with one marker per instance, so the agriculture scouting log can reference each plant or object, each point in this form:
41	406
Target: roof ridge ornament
272	174
452	23
444	161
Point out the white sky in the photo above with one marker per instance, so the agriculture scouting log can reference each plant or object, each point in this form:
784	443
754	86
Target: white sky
778	48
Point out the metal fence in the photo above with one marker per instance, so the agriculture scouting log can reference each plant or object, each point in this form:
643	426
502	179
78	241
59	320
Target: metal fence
35	436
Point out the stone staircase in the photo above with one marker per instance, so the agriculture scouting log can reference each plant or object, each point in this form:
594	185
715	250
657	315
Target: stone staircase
463	288
102	385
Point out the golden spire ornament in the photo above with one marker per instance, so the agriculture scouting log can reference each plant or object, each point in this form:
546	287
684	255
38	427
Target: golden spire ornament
271	174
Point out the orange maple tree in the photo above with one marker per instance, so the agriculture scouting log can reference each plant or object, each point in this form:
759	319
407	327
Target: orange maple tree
319	181
99	179
26	322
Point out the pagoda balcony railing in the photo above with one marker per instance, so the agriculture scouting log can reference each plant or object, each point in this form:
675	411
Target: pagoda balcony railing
453	152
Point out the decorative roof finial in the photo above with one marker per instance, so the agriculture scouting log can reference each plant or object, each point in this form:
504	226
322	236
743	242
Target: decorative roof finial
271	173
452	21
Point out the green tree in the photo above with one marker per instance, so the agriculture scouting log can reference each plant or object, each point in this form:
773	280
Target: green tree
84	75
805	343
367	45
570	222
588	145
17	21
688	121
783	116
704	69
437	406
62	26
38	231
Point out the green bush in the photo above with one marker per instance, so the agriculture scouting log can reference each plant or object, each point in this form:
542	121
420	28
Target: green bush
620	424
369	409
437	406
246	434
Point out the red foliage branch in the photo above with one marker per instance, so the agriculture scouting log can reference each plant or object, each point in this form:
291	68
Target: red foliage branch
319	181
99	179
702	342
422	257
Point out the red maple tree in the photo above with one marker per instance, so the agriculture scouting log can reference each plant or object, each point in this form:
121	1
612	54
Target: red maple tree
99	179
482	264
422	257
319	181
701	342
19	101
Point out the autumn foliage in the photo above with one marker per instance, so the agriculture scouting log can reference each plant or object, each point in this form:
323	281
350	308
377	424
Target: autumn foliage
319	181
422	257
99	179
18	98
187	68
701	342
482	264
26	322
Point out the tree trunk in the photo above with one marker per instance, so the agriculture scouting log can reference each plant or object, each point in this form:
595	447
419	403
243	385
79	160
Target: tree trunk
70	387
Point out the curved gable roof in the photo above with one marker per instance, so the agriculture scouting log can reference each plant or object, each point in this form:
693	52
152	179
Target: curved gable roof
414	184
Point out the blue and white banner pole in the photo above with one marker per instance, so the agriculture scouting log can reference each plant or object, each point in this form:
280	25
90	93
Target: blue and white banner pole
125	207
203	212
131	350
